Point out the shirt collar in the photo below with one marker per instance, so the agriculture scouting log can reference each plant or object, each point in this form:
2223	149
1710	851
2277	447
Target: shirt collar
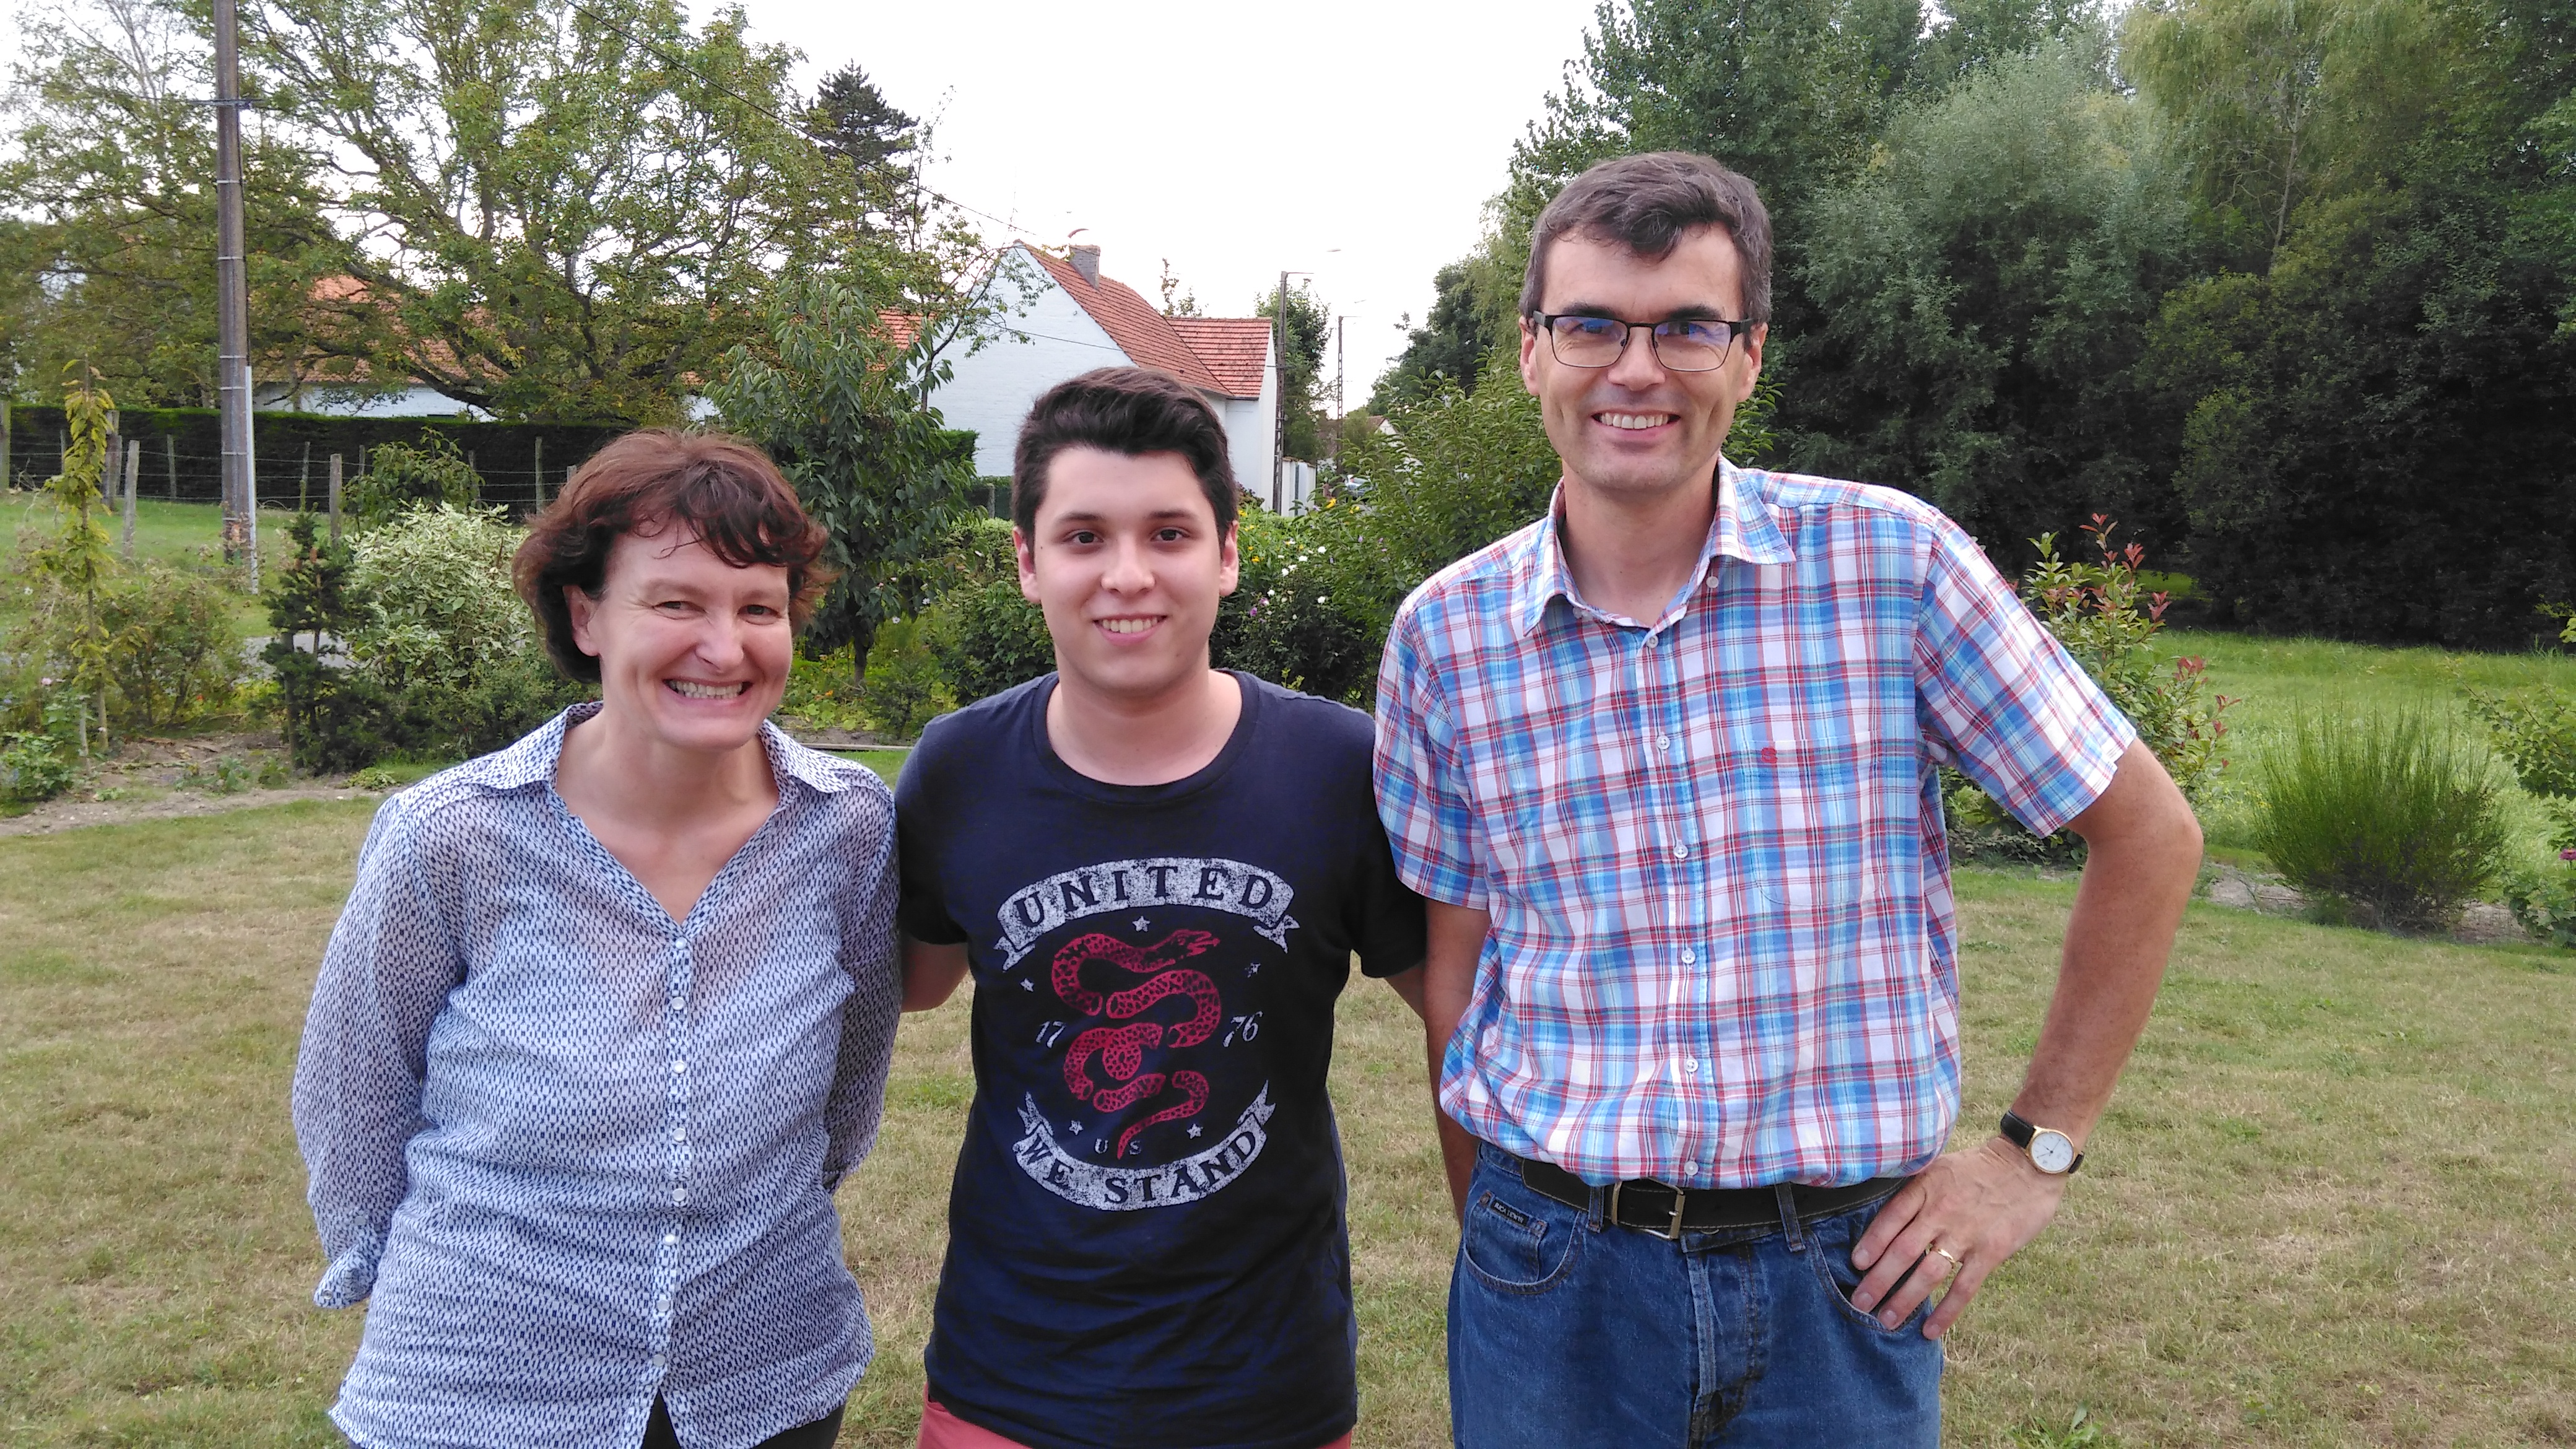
1743	528
533	759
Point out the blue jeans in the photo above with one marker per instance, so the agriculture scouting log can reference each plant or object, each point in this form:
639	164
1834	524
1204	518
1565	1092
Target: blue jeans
1566	1332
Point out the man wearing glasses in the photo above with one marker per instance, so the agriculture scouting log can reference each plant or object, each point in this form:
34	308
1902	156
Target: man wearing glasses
1665	764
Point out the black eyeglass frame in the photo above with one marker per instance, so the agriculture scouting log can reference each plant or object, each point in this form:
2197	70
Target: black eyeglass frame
1735	327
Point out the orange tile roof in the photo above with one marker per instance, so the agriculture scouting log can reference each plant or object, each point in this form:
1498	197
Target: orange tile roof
1236	349
1149	338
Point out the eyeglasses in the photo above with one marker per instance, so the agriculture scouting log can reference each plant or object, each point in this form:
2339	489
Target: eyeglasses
1693	344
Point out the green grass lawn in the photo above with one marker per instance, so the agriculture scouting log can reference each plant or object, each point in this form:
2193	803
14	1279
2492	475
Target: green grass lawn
179	534
2330	1205
2278	679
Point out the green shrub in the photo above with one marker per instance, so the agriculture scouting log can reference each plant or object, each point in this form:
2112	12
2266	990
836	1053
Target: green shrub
429	474
903	691
982	635
2535	730
823	691
438	608
33	767
444	659
2388	816
1283	622
2107	620
171	651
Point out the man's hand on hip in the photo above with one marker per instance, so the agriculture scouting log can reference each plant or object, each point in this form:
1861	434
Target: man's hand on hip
1978	1207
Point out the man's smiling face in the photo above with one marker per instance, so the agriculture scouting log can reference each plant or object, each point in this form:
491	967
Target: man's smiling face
1127	562
1636	429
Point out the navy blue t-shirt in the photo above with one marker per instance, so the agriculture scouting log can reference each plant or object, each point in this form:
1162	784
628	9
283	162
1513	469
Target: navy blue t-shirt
1145	1241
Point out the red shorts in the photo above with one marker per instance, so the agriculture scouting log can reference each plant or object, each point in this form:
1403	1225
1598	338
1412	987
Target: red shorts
941	1429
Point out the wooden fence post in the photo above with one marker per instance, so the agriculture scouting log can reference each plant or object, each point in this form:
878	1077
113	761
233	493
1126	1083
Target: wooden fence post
304	481
107	462
170	455
539	470
133	469
335	502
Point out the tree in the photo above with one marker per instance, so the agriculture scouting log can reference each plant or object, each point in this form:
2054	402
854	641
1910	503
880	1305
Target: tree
1792	93
1450	345
72	569
109	256
566	211
839	405
2280	102
1301	366
2375	440
1983	289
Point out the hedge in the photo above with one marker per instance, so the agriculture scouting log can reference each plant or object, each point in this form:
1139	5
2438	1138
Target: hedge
183	451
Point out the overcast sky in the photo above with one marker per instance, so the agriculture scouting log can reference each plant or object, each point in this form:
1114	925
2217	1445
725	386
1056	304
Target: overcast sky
1353	139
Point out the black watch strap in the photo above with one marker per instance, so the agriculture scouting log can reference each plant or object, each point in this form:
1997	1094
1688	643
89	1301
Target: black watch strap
2018	1130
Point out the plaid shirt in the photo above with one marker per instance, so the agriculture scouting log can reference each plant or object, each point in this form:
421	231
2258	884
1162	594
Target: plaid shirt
1723	951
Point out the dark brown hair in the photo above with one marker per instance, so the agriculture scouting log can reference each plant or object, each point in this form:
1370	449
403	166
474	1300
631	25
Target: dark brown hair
1647	204
720	488
1129	410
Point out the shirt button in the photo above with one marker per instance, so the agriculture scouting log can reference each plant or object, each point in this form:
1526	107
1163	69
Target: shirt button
1691	1065
1681	852
679	1134
670	1240
1689	956
663	1303
679	1066
679	1196
677	1003
1663	742
657	1363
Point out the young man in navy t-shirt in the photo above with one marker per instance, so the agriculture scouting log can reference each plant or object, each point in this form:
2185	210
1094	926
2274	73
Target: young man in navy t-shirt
1159	873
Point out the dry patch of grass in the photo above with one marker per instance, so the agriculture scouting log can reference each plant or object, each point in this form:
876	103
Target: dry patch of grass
2330	1206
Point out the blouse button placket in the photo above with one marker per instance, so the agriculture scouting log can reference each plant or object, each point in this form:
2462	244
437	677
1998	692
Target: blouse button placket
675	1035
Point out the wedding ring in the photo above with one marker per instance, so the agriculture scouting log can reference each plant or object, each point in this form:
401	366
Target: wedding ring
1955	1264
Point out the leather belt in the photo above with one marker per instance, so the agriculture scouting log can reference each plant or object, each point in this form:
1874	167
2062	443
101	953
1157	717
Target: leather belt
1668	1212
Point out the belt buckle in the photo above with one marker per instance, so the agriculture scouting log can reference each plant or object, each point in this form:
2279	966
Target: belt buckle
1670	1233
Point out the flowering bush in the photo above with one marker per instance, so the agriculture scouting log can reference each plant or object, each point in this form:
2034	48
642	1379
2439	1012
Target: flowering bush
2107	620
1283	621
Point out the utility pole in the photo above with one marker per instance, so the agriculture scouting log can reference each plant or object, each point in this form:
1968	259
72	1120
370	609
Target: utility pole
232	302
1340	412
1279	423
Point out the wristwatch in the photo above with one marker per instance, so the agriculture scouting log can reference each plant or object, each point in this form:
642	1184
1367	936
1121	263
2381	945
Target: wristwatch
2049	1150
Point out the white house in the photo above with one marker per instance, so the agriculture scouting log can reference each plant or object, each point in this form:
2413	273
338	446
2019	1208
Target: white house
1072	319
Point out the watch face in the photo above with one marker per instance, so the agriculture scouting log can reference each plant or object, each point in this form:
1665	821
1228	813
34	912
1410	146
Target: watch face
2050	1151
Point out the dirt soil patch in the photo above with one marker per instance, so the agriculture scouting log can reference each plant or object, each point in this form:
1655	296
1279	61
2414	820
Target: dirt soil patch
152	778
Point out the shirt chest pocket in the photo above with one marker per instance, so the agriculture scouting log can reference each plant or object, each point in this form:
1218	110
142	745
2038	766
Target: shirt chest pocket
1804	812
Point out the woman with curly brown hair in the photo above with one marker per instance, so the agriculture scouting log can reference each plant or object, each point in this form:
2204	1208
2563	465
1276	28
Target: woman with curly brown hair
607	1015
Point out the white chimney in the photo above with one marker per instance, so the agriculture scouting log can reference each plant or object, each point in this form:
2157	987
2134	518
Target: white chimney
1086	260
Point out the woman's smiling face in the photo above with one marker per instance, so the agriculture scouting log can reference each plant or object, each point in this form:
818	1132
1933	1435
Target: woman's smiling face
693	651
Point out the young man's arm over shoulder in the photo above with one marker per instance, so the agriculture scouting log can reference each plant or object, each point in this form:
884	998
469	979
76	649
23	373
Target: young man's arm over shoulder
931	971
931	968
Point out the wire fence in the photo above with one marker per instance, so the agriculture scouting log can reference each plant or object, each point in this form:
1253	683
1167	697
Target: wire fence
181	455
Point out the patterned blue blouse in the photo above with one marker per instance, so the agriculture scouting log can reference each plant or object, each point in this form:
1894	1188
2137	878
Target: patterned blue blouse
578	1155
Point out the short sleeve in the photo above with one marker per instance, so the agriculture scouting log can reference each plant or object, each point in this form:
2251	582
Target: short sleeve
1387	924
919	827
1421	790
2001	699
